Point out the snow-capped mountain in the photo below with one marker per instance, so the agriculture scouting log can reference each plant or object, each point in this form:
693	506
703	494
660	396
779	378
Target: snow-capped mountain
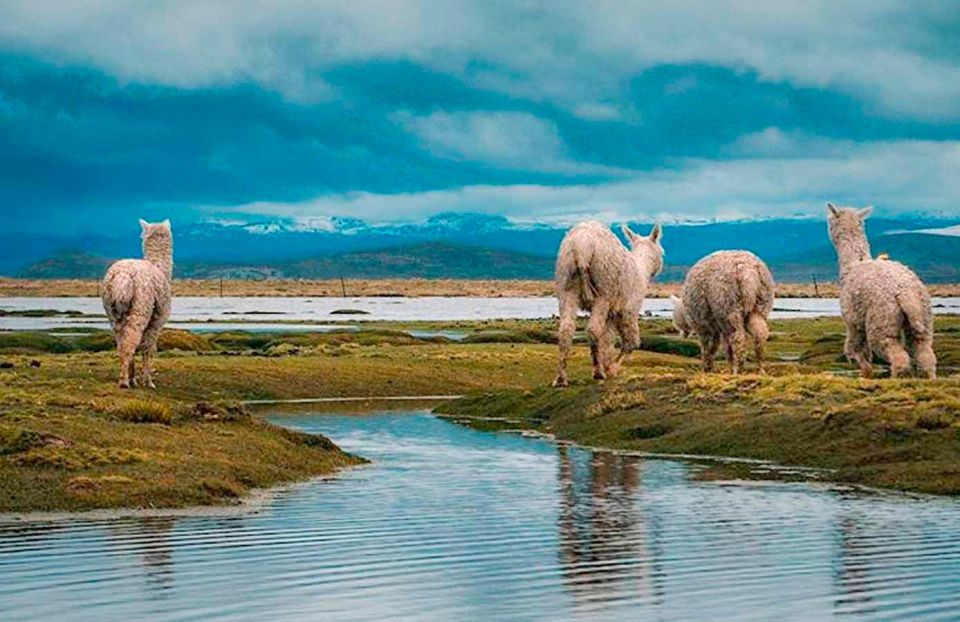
245	244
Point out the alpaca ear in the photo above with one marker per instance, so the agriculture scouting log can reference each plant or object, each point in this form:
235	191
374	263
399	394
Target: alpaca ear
656	233
165	223
630	235
675	299
865	212
832	209
144	224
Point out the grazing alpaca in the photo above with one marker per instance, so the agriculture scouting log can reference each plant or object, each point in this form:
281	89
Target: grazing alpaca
136	297
596	273
880	300
727	296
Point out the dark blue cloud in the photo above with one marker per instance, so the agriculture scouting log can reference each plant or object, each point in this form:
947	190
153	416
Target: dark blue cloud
78	145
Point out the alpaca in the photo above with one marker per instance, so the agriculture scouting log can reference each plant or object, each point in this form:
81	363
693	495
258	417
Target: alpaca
880	300
680	320
727	296
596	273
136	298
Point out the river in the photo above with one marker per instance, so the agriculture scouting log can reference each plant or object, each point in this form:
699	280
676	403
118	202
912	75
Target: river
278	314
450	523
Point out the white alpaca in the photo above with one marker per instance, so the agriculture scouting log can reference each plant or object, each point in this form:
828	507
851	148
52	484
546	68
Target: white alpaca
137	297
880	301
727	296
596	273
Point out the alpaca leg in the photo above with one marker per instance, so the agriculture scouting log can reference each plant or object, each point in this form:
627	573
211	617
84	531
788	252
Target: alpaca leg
758	329
568	326
926	359
897	356
628	325
608	354
855	349
148	346
596	329
709	344
128	340
736	339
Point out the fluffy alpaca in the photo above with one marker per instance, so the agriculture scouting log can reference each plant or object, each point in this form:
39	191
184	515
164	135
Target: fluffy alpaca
596	273
680	320
727	296
136	297
880	300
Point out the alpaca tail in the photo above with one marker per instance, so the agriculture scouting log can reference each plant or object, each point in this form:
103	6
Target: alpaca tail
916	313
119	287
588	289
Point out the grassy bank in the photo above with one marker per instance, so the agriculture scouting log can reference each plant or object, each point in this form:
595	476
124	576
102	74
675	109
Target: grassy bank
380	287
70	440
901	434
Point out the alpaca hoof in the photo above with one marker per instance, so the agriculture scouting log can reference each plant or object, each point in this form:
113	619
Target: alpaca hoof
124	384
560	382
599	375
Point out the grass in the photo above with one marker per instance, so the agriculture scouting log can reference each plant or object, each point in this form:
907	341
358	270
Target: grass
902	434
70	440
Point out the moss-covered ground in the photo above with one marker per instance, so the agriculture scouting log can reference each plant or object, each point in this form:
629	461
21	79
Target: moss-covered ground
809	411
69	439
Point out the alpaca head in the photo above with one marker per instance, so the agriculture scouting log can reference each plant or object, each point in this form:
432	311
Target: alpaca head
848	233
157	243
646	249
680	321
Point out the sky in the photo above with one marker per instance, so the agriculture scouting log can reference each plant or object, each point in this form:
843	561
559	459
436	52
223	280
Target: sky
550	112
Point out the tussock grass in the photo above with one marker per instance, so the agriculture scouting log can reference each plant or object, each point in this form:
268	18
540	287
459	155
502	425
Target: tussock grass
142	411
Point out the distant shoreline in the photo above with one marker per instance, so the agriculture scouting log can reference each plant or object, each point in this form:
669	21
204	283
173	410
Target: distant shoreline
485	288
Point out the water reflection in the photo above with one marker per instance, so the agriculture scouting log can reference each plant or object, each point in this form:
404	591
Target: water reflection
852	574
605	550
451	524
150	540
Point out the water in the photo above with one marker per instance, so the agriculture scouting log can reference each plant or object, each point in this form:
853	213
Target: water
258	313
455	524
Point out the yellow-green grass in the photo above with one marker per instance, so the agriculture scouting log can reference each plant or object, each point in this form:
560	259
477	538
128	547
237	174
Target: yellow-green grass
809	411
71	440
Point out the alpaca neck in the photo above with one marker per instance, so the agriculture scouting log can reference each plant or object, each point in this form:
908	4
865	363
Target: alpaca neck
852	252
645	265
160	254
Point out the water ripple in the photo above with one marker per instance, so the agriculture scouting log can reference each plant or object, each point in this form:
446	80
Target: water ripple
452	523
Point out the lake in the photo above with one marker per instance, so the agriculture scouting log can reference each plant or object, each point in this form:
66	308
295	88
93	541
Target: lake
318	313
450	523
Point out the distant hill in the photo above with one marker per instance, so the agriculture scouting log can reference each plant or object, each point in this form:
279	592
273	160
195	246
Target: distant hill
68	265
430	260
465	246
936	258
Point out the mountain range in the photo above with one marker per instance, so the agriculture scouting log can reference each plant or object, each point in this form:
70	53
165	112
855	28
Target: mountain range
465	246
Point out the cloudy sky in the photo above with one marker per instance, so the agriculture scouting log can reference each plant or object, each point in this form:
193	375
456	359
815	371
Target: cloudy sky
399	109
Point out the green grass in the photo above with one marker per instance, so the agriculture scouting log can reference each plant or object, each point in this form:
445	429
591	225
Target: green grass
902	434
69	439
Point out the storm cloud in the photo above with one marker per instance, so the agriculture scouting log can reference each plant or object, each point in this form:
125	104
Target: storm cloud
397	110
